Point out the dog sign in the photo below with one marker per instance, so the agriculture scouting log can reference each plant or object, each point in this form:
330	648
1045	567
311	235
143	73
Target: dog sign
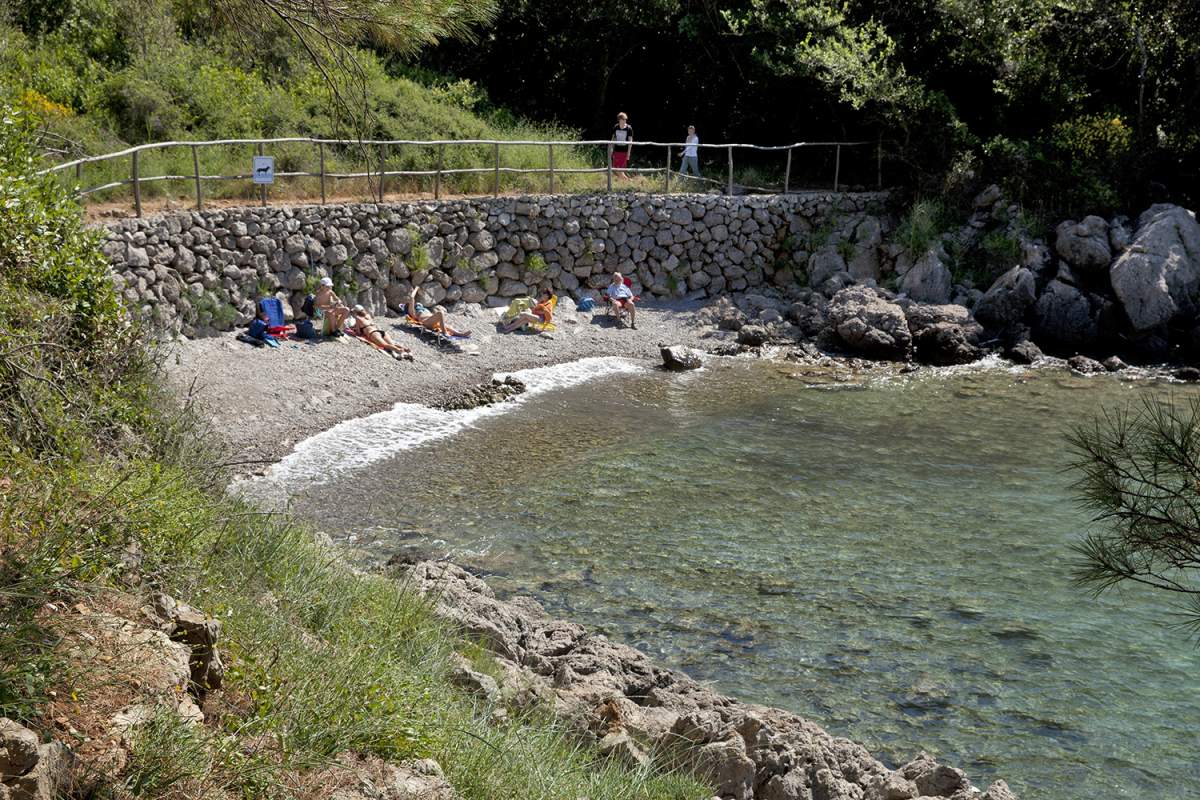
264	169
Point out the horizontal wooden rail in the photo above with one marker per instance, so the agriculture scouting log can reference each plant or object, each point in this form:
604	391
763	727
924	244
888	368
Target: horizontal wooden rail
380	146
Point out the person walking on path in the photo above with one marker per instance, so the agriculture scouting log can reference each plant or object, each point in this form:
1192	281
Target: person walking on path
691	156
622	135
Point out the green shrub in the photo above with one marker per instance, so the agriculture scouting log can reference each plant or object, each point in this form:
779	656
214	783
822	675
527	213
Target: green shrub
535	263
921	227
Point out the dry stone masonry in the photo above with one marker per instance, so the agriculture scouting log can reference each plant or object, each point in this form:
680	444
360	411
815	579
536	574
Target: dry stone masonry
197	273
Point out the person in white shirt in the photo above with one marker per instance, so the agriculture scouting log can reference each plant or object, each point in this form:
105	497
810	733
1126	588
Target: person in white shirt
621	297
691	157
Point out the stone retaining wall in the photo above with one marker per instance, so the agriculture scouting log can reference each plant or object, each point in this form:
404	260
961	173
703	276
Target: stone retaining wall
200	272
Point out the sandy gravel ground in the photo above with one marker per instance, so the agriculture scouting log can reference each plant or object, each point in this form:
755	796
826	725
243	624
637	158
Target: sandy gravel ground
261	401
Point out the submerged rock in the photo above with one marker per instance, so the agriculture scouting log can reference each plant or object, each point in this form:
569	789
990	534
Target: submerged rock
484	394
631	706
1085	366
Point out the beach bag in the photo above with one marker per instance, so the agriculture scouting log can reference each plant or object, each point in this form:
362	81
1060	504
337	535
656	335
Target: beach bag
305	329
308	307
585	303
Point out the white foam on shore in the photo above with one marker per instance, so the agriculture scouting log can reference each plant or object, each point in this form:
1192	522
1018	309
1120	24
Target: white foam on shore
357	443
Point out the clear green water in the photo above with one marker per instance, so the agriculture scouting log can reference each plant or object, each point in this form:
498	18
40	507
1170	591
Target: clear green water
889	559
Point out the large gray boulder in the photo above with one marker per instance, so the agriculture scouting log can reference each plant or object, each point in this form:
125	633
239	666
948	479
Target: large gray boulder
1084	244
1158	276
1063	318
943	334
823	265
1005	304
928	280
867	323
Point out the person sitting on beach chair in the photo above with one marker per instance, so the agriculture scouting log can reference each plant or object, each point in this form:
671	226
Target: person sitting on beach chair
365	328
538	316
619	295
330	309
430	320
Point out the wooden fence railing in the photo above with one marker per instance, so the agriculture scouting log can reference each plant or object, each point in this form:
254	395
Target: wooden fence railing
381	146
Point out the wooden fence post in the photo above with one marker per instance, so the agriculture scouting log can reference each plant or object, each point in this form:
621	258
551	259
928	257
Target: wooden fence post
551	154
437	178
382	169
837	167
610	154
667	180
262	187
196	169
731	169
787	172
321	154
496	173
137	185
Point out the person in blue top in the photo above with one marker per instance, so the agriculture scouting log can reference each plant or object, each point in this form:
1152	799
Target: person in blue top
621	296
691	156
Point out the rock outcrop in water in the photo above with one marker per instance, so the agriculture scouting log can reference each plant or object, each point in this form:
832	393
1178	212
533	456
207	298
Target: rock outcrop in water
633	708
483	394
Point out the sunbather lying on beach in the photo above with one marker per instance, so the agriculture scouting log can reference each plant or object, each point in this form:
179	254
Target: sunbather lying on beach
540	314
430	320
364	326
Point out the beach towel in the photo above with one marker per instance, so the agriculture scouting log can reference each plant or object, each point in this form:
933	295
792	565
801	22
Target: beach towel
516	308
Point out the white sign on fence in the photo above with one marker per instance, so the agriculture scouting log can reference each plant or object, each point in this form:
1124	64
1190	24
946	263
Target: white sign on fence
264	169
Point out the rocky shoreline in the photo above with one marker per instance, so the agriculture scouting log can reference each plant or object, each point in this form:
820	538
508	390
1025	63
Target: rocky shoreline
633	710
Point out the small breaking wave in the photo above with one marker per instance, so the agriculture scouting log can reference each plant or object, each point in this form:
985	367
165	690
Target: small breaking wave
357	443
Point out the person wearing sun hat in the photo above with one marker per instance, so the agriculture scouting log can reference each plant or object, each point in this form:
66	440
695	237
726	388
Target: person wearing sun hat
330	309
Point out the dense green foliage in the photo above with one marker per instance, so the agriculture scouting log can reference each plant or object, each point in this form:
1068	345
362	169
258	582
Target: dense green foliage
101	74
106	482
1071	104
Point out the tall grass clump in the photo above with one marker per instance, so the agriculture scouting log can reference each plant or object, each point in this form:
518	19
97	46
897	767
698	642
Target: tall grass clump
920	228
108	486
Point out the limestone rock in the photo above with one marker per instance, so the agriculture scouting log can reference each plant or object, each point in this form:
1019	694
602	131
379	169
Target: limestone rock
928	280
30	770
1158	277
1006	303
1063	317
680	359
752	335
1084	245
1084	365
1023	352
868	324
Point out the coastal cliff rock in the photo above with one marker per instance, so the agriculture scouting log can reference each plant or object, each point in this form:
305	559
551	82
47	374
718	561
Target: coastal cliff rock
1085	244
1004	306
869	324
1158	276
615	695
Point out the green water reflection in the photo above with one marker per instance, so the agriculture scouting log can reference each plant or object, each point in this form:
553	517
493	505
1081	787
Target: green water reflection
889	559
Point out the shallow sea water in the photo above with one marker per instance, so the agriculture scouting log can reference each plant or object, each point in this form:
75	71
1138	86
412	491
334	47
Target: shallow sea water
889	557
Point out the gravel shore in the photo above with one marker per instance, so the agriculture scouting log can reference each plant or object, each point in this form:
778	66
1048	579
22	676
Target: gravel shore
262	401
